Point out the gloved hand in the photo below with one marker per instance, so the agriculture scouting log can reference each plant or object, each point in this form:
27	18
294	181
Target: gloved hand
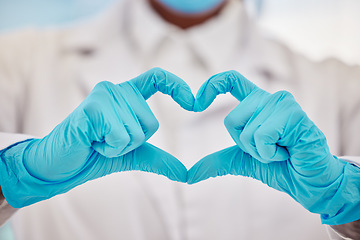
106	133
279	145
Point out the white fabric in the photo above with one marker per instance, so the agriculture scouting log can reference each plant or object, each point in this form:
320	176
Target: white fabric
335	235
45	75
352	159
8	139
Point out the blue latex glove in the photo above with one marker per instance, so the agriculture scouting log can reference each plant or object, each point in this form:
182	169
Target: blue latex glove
106	133
279	145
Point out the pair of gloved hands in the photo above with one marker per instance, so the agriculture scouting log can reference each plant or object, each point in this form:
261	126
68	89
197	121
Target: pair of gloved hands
276	144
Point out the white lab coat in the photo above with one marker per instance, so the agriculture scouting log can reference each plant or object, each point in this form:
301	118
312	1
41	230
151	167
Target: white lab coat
45	75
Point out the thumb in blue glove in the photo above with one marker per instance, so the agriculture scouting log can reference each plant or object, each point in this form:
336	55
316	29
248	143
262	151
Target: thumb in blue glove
106	133
279	145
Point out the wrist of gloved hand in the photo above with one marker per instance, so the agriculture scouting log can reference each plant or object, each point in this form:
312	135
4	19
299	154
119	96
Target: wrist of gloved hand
335	194
348	231
14	177
344	205
20	186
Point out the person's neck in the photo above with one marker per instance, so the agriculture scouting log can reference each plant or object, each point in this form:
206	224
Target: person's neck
182	20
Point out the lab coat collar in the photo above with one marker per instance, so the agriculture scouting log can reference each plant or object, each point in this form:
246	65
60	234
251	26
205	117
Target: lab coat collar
145	28
212	41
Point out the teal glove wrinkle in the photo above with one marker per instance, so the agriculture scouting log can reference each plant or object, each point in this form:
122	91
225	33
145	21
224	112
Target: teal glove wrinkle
106	133
280	146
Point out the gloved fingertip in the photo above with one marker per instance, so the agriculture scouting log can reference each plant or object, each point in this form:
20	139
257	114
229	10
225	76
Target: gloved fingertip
180	174
279	154
173	169
192	177
192	180
197	107
183	178
201	101
177	177
187	102
107	150
195	180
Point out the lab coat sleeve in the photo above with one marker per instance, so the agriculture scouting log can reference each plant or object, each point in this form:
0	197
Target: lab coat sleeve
15	59
14	66
352	159
334	235
349	86
351	230
6	211
348	80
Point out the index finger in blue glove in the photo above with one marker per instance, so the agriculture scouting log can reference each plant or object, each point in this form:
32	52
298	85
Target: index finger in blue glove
145	158
149	158
234	161
216	164
157	79
230	81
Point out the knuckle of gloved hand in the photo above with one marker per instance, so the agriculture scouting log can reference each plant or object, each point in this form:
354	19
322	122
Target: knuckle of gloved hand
234	74
260	137
245	138
138	137
103	85
93	109
218	84
157	72
152	125
284	95
155	76
230	122
123	141
97	101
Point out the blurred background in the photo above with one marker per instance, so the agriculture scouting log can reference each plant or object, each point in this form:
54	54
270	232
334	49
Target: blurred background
318	29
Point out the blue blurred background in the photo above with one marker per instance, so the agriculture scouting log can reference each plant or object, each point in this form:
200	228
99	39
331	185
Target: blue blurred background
45	13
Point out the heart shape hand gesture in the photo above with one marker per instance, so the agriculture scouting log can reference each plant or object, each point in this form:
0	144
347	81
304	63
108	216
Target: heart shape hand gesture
276	144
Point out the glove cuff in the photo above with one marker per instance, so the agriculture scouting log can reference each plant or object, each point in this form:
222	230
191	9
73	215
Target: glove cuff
344	206
15	180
